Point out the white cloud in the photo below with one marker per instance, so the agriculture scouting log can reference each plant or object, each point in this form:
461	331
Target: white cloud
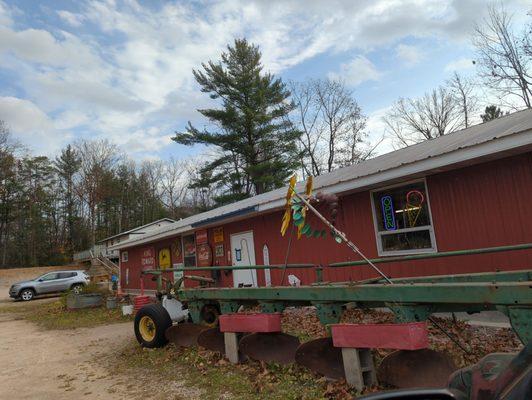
459	65
358	70
376	129
129	69
5	15
409	55
30	124
72	19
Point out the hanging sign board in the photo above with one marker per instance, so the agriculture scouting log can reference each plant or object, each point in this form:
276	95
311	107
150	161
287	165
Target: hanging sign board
219	250
147	259
164	258
204	255
388	213
177	251
218	234
202	237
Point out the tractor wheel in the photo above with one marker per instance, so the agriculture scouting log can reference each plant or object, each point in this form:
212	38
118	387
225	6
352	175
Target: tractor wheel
151	323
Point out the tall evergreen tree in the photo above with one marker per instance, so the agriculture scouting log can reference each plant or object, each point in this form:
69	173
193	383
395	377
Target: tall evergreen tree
255	141
67	164
490	113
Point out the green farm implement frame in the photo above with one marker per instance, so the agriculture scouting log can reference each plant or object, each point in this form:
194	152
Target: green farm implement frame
410	299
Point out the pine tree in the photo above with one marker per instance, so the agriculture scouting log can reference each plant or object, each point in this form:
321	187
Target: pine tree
67	165
255	141
491	113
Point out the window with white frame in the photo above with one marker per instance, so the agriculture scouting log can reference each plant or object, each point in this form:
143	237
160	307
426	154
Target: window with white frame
124	256
403	223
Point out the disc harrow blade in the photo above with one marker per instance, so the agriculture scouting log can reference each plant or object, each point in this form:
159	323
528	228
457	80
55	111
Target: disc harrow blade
212	339
270	347
322	357
185	335
416	368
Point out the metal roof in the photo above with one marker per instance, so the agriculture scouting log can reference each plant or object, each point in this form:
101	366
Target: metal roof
499	136
134	230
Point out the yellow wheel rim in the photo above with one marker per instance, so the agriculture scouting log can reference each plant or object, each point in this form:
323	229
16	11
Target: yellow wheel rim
147	328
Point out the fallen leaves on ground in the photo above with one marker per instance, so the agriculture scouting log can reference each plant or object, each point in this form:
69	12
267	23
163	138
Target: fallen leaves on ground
212	374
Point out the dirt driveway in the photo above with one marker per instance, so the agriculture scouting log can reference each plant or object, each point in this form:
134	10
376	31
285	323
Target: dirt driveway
47	364
44	364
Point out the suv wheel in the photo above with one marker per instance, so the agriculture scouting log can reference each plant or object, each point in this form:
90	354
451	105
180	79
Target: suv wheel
27	294
77	289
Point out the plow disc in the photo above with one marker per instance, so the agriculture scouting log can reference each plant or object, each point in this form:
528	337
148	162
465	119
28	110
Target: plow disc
276	347
322	357
212	339
185	335
416	368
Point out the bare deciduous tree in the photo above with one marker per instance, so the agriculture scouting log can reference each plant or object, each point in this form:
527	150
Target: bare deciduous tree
332	124
463	91
504	58
434	114
175	186
97	158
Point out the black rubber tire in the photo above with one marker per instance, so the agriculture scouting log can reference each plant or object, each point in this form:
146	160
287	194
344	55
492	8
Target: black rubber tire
162	322
29	291
80	285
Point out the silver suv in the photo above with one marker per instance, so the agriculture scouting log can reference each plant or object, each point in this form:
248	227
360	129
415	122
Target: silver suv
51	282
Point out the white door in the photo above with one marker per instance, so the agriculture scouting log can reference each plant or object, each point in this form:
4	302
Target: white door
243	253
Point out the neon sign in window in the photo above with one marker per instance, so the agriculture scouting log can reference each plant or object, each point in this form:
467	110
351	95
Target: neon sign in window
388	213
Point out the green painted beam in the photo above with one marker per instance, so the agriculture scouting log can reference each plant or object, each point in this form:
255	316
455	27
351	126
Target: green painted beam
229	268
472	293
502	276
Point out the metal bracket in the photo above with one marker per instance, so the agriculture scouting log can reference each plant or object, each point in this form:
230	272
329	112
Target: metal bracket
328	313
271	307
521	321
410	312
194	310
228	307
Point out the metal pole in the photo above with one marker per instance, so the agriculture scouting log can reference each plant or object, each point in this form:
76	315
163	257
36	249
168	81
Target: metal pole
342	235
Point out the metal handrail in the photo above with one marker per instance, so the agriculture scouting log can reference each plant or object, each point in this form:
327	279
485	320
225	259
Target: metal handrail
230	268
454	253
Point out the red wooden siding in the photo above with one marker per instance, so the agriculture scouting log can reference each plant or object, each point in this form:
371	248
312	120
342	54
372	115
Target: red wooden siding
479	206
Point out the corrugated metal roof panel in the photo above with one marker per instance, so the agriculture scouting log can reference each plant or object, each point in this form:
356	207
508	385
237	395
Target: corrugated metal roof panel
517	122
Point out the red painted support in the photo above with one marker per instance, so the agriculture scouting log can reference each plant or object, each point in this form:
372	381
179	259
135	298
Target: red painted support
406	336
259	322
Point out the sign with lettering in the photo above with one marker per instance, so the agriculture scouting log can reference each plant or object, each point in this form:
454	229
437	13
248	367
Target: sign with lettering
218	234
147	259
388	213
204	255
202	237
177	252
219	250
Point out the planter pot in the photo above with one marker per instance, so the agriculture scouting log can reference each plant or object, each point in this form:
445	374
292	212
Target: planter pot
127	310
111	303
88	300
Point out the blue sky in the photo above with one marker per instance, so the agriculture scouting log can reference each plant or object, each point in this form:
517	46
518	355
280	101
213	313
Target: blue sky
121	70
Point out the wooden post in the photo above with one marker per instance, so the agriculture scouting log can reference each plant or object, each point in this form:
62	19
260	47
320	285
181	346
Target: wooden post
231	346
352	368
359	368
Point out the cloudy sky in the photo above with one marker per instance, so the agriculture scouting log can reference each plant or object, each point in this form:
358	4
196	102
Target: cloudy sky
122	69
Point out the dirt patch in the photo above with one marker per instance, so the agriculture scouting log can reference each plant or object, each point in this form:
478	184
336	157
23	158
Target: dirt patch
40	364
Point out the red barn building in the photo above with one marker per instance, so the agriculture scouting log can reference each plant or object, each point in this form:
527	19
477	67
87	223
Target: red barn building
466	190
